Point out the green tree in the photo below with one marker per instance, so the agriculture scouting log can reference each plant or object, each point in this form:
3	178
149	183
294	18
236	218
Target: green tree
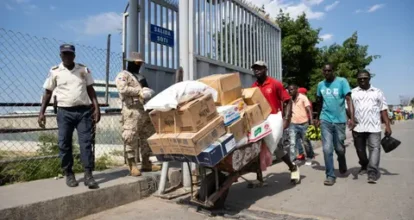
347	59
299	51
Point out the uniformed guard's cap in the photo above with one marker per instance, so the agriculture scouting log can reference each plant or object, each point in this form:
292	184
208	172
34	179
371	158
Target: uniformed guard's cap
135	57
259	63
67	48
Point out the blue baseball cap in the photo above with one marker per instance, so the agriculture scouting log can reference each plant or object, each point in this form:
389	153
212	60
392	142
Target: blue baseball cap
67	48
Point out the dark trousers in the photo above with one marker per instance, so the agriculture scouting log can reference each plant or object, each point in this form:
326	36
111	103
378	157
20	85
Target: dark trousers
373	140
68	119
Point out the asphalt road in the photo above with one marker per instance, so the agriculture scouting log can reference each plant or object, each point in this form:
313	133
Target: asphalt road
392	198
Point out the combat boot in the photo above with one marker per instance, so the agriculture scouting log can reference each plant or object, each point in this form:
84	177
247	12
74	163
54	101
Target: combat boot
147	166
133	169
70	179
89	180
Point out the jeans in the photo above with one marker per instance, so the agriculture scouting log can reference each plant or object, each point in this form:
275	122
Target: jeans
68	119
333	137
298	132
373	140
299	145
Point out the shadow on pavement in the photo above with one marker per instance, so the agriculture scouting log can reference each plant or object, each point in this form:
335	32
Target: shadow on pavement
106	177
352	171
382	171
241	198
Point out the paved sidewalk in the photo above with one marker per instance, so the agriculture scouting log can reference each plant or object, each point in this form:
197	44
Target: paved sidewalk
351	198
52	199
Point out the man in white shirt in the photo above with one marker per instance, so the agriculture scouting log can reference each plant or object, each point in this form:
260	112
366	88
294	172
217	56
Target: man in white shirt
370	106
73	85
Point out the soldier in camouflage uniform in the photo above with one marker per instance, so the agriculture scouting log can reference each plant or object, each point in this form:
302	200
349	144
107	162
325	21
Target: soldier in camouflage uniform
137	126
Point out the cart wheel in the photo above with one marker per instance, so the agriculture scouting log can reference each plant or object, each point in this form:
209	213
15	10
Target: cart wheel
208	187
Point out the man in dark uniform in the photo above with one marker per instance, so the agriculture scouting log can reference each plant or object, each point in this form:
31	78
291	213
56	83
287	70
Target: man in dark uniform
72	83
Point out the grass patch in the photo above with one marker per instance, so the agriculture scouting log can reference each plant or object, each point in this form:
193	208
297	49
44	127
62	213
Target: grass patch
41	168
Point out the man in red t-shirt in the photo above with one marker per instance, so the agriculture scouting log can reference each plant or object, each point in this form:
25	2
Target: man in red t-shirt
279	100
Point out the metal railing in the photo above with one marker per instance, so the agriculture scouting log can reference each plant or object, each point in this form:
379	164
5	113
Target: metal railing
28	152
236	33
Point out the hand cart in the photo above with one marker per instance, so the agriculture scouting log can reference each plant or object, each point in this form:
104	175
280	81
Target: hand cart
216	181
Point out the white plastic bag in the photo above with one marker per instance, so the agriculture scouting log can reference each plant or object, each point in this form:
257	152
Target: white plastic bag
178	93
276	124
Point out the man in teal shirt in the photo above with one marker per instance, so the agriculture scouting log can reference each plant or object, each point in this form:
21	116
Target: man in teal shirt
331	96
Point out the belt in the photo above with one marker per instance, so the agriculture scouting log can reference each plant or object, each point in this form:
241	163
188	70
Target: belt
74	108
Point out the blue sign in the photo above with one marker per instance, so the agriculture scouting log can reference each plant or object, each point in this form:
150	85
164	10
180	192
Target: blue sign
162	36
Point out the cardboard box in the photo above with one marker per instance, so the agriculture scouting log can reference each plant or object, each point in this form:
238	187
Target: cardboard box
190	117
156	143
260	131
210	156
227	143
194	115
163	144
170	140
238	129
202	139
241	105
165	122
229	113
228	86
253	115
254	96
170	145
213	154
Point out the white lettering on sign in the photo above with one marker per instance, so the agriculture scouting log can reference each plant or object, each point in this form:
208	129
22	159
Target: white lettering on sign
162	39
162	31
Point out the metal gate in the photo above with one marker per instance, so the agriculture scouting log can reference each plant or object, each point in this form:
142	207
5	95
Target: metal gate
229	36
152	29
220	36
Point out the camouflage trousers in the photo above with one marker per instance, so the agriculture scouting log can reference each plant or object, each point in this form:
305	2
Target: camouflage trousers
137	128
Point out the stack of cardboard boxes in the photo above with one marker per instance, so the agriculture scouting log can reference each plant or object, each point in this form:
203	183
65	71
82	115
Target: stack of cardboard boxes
206	131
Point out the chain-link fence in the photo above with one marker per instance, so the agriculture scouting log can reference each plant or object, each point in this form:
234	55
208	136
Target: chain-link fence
28	152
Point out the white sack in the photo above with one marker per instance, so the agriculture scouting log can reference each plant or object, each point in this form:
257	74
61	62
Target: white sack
276	124
178	93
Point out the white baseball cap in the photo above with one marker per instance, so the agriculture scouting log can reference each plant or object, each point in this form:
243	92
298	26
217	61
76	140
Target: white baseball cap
259	63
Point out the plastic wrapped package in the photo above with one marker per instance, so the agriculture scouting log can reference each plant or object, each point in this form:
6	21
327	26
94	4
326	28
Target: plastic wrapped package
179	93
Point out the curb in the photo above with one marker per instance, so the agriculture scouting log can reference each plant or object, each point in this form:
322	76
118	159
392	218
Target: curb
123	190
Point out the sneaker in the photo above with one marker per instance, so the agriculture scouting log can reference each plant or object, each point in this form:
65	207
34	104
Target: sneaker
309	161
71	180
329	181
372	180
362	171
300	157
295	175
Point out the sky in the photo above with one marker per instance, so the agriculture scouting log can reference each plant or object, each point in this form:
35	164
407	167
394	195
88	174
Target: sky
386	26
